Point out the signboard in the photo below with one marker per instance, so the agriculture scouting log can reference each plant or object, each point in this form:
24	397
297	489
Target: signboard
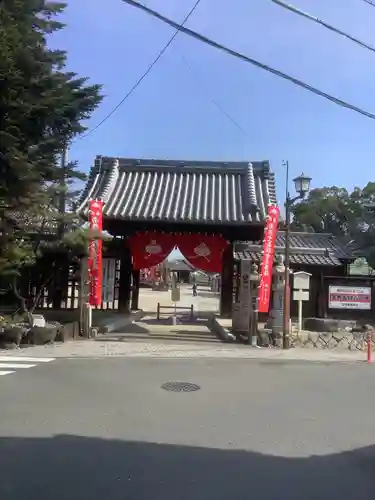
108	281
95	252
175	294
303	295
175	290
268	257
301	281
349	297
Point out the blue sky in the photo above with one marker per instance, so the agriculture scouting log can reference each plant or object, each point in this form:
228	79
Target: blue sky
171	114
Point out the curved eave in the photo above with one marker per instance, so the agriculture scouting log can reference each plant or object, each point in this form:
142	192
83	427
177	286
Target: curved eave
99	186
91	191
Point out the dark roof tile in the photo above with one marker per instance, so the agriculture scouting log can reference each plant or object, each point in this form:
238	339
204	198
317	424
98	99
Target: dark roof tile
318	249
176	191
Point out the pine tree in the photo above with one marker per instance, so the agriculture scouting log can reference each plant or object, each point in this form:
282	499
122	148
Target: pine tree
42	107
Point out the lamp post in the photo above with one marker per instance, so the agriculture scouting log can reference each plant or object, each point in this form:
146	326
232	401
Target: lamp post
302	187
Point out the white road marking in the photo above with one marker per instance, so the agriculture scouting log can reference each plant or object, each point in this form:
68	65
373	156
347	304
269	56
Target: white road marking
9	364
25	359
15	365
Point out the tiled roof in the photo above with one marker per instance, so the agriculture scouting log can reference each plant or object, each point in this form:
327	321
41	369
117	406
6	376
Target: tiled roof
181	191
180	265
318	249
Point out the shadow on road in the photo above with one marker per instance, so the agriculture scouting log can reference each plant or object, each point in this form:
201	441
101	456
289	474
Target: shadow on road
79	468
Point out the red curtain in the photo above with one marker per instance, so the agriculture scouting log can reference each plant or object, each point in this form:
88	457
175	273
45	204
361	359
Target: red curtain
203	251
150	248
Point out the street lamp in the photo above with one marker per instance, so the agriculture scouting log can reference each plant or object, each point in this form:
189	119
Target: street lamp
302	187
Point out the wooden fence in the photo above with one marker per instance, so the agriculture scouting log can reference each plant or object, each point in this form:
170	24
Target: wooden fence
61	292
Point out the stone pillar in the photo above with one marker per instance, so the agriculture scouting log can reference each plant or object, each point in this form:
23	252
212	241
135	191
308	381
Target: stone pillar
135	290
254	293
226	290
242	310
277	312
125	281
84	306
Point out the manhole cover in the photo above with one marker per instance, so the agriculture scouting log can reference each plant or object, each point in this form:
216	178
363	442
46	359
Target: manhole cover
180	387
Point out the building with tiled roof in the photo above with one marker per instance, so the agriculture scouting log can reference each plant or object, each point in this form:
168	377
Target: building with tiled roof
324	256
306	249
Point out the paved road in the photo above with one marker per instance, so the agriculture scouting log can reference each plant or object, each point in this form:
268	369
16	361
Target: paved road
104	428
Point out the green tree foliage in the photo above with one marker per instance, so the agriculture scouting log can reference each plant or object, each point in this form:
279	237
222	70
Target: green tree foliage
340	212
42	109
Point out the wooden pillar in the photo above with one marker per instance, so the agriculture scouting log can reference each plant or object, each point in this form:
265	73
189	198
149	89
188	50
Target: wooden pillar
125	280
321	296
135	290
226	290
59	285
55	286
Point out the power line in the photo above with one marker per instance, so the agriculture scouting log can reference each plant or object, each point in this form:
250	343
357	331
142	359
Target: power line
293	9
249	60
370	3
148	70
214	102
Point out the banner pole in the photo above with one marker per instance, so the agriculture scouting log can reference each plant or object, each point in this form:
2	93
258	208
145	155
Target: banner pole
369	348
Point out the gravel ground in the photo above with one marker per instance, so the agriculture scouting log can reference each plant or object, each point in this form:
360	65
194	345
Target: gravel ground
102	348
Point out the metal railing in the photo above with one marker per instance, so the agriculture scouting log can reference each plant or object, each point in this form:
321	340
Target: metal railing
173	309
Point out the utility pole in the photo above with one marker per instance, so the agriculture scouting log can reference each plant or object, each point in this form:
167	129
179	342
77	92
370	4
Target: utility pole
302	186
62	185
286	312
58	278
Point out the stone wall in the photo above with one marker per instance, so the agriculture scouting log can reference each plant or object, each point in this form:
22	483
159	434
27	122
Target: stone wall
342	340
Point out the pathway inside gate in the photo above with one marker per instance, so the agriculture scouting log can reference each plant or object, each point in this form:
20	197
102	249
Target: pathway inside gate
188	328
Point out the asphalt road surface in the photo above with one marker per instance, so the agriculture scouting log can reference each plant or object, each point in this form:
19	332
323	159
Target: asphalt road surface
105	429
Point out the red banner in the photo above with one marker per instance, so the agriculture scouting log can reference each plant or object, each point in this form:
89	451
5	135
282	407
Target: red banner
150	248
270	232
203	251
95	261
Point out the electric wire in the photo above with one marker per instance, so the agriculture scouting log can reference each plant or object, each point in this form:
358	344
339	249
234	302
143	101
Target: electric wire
214	101
146	73
249	60
369	2
301	13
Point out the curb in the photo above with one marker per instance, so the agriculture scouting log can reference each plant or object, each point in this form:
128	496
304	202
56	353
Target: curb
111	325
220	331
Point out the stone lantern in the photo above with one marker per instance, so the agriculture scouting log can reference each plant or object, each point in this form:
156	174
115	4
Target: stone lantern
277	311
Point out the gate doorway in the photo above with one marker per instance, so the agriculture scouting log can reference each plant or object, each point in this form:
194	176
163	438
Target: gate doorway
185	316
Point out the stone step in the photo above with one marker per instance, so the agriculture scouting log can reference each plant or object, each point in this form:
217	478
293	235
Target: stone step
205	338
